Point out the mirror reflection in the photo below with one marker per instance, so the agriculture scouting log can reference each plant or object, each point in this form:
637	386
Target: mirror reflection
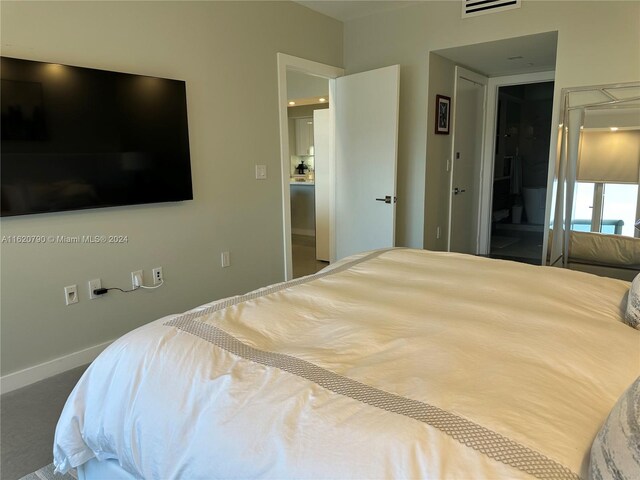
606	198
597	195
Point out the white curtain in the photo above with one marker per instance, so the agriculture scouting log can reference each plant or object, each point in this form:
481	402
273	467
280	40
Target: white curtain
609	156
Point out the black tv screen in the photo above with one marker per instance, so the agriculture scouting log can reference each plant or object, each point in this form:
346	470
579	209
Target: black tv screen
76	138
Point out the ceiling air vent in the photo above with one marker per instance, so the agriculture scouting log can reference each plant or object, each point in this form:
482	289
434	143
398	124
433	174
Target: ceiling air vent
472	8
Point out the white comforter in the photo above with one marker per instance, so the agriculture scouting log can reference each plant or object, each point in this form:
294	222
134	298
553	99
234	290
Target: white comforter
537	355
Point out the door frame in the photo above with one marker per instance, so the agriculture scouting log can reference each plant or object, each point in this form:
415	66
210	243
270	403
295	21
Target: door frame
488	157
308	67
482	80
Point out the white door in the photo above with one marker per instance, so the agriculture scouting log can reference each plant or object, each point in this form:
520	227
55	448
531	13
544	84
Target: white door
322	160
468	129
366	144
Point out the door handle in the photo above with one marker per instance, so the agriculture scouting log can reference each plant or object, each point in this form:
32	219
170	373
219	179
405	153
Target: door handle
387	199
457	190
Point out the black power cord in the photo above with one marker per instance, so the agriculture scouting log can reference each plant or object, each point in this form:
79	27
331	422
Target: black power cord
102	291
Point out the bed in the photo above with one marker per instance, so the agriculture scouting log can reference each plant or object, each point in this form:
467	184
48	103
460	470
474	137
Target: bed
395	363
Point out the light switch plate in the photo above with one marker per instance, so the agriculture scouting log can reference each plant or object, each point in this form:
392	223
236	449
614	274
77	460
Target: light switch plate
225	259
261	172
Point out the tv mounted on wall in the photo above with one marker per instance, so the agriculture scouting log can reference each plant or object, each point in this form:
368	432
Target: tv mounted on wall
76	138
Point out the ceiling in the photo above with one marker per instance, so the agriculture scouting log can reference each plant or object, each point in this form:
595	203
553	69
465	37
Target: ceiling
348	10
527	54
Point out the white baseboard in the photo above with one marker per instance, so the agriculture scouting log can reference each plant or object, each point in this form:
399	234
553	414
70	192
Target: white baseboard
304	231
22	378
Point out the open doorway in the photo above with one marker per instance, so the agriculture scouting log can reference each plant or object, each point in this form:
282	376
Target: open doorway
520	172
307	116
361	130
288	64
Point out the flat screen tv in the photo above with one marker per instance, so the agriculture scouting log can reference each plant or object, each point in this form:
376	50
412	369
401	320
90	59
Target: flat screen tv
76	138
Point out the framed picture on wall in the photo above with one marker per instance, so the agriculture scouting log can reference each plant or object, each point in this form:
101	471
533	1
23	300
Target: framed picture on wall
443	114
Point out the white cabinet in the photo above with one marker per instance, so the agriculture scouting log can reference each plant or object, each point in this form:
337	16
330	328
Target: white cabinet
304	136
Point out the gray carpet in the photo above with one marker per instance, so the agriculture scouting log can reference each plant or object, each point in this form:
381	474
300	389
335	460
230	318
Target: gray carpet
28	417
46	473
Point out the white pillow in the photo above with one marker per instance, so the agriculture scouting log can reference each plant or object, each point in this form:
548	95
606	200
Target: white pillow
632	315
615	453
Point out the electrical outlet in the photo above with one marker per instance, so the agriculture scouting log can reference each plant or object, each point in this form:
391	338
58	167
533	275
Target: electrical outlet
71	294
438	233
157	275
94	285
225	259
137	279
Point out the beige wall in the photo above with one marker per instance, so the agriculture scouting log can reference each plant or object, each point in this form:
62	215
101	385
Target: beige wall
598	43
226	52
441	81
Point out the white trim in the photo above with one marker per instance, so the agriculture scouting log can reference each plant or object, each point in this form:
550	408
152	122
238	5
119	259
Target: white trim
486	187
636	231
452	155
22	378
311	68
333	96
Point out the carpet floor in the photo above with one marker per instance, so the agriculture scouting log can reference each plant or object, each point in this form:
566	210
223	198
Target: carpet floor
28	418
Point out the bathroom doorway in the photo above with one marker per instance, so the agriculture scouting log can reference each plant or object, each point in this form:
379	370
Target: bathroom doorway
520	173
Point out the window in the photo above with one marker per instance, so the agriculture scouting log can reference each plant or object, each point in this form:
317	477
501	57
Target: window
583	207
605	207
619	203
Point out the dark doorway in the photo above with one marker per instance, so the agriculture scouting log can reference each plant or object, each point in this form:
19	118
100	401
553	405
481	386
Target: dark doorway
520	171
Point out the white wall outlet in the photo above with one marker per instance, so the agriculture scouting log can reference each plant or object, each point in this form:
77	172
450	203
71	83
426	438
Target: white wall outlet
438	232
261	172
94	285
157	275
137	279
225	259
71	294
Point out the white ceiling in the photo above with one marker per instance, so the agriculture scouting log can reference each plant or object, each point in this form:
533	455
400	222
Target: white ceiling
499	58
348	10
537	52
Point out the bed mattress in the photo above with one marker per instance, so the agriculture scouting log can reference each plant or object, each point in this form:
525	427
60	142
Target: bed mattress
392	364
